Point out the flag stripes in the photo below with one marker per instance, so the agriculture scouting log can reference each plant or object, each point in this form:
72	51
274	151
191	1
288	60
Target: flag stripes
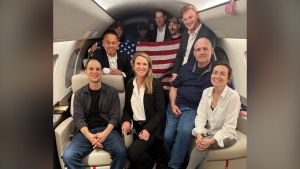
163	56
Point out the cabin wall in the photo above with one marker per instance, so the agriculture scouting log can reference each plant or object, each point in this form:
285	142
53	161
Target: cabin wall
227	25
235	49
78	20
64	51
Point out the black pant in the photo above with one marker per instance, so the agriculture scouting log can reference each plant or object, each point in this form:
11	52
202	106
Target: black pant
141	153
167	100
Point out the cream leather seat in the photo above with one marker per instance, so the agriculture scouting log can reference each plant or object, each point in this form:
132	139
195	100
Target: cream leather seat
235	156
98	158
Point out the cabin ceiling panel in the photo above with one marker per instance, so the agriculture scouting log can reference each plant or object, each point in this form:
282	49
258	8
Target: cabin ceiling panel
233	26
124	9
81	19
73	19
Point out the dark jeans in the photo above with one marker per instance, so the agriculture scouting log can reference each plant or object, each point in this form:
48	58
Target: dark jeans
80	147
178	134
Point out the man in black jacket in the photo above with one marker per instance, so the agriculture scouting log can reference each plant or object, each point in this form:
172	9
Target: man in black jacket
112	61
160	32
195	30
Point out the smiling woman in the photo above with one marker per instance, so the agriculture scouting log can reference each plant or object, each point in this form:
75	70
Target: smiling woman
216	120
78	25
148	119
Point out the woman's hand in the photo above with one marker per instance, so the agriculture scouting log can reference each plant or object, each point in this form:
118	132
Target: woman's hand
144	135
205	143
126	127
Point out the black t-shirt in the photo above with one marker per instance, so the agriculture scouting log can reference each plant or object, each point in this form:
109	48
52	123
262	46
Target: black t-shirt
201	70
94	119
170	38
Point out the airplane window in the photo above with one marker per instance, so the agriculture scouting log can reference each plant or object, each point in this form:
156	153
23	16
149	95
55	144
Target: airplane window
221	55
71	67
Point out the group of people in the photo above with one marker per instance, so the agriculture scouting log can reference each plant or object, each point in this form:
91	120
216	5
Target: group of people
202	102
162	32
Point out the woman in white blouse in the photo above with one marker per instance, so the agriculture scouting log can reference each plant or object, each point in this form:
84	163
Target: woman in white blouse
145	106
216	120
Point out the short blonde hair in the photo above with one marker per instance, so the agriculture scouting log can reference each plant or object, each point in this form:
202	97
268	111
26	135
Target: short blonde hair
188	7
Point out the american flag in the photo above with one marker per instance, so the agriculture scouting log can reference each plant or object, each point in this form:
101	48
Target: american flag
163	56
124	47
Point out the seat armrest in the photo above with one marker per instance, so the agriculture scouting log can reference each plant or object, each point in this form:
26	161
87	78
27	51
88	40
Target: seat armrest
128	139
63	133
242	124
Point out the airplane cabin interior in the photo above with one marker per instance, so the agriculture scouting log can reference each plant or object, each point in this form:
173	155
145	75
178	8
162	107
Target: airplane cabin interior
78	24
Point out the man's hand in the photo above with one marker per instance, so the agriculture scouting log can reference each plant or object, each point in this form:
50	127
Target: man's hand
175	110
93	140
101	137
173	78
117	72
97	144
92	49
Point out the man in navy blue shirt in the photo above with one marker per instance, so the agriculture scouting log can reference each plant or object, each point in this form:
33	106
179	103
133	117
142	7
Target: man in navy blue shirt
185	95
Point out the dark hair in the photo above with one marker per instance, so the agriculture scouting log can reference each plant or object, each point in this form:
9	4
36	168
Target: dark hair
110	31
160	10
228	67
117	24
142	26
86	65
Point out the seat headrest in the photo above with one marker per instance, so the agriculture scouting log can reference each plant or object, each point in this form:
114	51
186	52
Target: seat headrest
115	81
78	81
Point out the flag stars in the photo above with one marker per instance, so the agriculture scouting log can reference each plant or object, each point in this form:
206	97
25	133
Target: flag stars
124	47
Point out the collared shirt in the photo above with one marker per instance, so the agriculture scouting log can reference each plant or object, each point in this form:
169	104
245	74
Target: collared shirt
222	121
191	83
160	36
137	102
192	37
113	64
109	105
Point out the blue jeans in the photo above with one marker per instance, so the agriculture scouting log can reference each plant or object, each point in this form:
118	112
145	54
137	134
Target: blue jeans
178	134
80	147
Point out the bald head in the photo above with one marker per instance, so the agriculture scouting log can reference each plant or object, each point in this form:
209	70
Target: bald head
203	41
203	51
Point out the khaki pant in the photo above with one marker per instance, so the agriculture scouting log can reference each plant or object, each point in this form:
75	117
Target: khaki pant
199	157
